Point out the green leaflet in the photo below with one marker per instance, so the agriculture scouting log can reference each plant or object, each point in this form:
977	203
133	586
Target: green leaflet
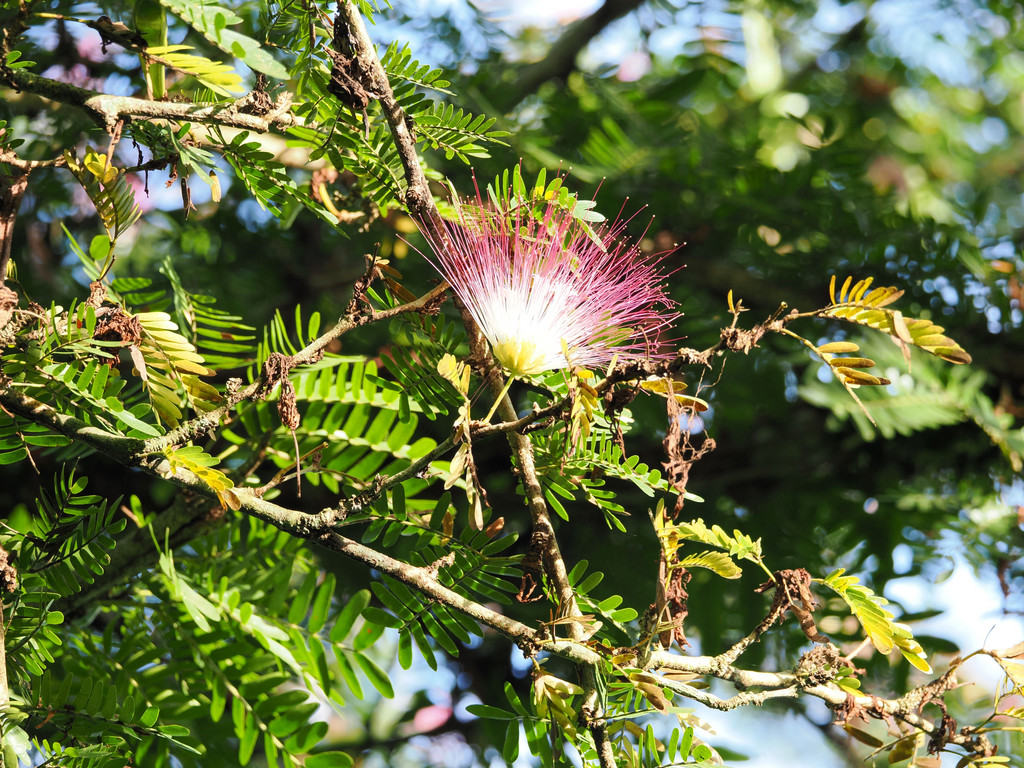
267	180
194	460
109	191
884	633
212	22
719	562
457	133
74	532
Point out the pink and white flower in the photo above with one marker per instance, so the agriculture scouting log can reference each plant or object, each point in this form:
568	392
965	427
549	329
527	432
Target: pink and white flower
540	287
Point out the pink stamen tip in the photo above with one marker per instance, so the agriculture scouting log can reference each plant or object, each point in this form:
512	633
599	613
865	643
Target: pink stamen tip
540	287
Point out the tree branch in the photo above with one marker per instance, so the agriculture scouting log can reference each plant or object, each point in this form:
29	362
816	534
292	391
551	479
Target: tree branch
124	450
310	353
9	158
420	203
186	518
774	684
561	58
543	535
418	199
107	110
319	529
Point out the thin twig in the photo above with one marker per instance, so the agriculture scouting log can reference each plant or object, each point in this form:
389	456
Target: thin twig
9	158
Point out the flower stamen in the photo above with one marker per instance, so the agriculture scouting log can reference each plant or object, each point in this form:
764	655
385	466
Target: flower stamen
543	290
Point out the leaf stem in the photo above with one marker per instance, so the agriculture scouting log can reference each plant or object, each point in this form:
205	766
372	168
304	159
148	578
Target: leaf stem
498	399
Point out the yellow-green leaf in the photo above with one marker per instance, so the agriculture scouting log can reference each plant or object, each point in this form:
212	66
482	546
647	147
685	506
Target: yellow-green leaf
904	749
660	385
838	348
900	327
455	372
878	624
218	77
99	166
854	376
863	736
856	305
851	362
719	562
